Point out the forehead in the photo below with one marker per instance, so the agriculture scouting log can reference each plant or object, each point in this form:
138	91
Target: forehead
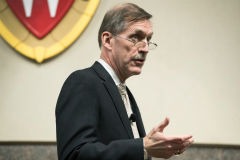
141	27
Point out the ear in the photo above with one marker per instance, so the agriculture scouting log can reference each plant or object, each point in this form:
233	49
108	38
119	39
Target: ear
106	39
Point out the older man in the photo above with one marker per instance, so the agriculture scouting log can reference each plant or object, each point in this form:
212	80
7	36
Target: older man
97	117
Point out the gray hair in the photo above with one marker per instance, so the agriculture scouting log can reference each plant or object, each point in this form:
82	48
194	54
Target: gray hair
116	20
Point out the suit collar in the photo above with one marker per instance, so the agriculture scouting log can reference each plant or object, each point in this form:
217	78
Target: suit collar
101	72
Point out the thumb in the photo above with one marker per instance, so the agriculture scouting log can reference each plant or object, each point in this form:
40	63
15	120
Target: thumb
163	124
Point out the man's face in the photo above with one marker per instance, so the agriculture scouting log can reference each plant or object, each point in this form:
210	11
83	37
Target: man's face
128	58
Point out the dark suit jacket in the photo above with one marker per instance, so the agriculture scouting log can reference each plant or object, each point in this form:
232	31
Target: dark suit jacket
91	120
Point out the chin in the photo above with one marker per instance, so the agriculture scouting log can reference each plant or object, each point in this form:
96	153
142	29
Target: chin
137	71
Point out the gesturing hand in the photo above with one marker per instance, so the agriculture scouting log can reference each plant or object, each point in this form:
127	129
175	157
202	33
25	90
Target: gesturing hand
161	146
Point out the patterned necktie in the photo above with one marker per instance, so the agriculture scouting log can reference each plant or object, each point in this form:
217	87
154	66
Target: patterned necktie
125	98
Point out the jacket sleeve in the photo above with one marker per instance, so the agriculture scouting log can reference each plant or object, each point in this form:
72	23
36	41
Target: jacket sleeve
77	120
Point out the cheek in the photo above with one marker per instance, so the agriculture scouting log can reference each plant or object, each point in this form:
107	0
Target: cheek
126	55
130	56
128	59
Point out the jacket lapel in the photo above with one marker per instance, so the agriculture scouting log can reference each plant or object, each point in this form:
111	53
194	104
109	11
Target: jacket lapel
119	105
115	96
136	111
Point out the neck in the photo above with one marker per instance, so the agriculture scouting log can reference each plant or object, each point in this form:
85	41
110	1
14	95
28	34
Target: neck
120	76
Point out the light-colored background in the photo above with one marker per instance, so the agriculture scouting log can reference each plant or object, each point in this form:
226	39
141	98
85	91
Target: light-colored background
193	76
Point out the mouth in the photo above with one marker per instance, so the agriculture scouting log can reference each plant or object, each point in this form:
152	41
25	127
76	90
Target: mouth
139	61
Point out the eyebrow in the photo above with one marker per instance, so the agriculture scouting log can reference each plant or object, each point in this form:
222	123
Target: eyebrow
140	32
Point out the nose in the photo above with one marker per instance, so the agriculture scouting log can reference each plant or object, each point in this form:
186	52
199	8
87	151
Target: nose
144	46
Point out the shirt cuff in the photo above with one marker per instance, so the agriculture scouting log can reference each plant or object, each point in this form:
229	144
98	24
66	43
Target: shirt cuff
145	154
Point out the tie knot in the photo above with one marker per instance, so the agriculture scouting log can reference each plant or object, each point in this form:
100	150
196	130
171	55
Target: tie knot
122	89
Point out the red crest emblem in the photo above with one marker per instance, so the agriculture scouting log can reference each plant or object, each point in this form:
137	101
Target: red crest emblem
42	29
40	16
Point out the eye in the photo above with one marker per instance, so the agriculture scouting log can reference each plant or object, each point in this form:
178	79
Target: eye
134	38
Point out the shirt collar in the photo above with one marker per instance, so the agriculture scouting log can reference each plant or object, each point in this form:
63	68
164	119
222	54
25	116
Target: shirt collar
110	71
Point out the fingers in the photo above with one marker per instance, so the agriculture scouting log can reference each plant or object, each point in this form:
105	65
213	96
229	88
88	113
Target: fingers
165	150
175	144
179	151
159	145
180	139
180	142
187	137
172	144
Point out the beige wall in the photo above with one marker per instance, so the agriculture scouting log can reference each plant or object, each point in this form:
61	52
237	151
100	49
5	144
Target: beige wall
192	77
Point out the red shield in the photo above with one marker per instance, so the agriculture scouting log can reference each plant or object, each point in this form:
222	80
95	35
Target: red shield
41	20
